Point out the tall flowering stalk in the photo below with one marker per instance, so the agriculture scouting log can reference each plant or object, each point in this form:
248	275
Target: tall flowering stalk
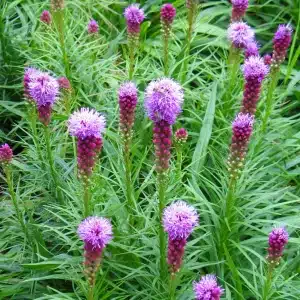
254	71
179	220
87	126
207	288
128	98
96	233
278	238
6	156
66	91
281	42
239	8
163	101
134	17
167	15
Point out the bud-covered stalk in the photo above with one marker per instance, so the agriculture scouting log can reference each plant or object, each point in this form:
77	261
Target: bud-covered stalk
46	17
57	5
167	15
96	233
239	8
134	17
93	27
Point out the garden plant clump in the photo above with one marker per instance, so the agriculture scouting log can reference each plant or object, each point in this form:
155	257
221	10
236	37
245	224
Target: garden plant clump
150	150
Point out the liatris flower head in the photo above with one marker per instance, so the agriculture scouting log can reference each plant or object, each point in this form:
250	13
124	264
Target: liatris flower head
278	238
64	83
255	69
29	75
281	42
46	17
93	27
239	8
57	5
242	127
207	288
267	59
164	98
6	154
167	13
252	49
96	233
181	135
87	125
179	220
134	17
240	34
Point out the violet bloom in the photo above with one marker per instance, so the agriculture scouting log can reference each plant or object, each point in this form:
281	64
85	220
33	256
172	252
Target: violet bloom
167	14
281	43
29	75
46	17
252	49
240	34
254	71
181	135
93	27
87	125
207	288
127	101
44	90
239	8
179	220
96	233
267	59
278	238
6	154
57	5
242	127
64	83
134	17
163	101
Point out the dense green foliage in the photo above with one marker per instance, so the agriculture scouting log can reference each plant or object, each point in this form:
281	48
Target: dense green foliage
47	263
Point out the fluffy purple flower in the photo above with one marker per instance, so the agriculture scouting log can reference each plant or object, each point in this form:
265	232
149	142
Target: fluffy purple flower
207	288
164	98
179	220
85	123
134	17
6	154
93	27
242	127
255	68
96	232
278	238
240	34
239	8
252	49
29	75
167	13
46	17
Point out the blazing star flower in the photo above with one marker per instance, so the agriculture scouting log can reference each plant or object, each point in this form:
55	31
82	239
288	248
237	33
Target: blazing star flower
239	8
267	59
252	49
96	233
46	17
29	75
87	125
207	288
64	83
278	238
93	27
179	220
134	17
6	154
240	34
167	13
181	135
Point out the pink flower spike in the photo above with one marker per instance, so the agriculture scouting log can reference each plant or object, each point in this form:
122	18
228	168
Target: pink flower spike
6	154
46	17
240	34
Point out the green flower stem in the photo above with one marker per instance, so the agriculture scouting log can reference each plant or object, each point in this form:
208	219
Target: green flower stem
51	163
86	197
172	286
269	101
129	198
166	51
161	181
268	282
131	59
91	293
179	158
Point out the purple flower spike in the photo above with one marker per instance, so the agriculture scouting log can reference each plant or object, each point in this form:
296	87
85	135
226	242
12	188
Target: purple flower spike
96	233
6	154
46	17
239	8
167	13
240	34
255	69
64	83
267	59
29	75
252	49
93	27
242	128
134	17
87	125
181	135
207	288
179	220
281	43
278	238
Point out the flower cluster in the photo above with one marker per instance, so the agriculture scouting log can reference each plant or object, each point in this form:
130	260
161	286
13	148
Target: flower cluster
242	128
57	5
46	17
64	83
181	135
239	8
179	220
87	125
167	15
207	288
134	17
252	49
255	70
96	233
6	154
93	27
240	34
278	238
